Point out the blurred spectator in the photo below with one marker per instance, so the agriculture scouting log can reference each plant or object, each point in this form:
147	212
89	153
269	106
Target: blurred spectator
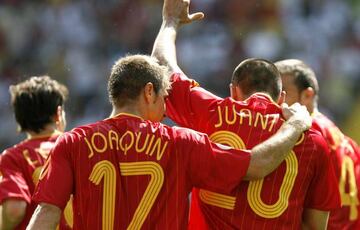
77	41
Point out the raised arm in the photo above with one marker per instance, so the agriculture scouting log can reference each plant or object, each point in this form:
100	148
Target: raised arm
175	14
267	156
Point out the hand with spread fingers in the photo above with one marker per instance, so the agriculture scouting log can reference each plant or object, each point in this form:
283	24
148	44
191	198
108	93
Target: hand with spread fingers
177	11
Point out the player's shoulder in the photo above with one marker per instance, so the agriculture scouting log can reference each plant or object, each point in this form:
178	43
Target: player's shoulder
82	131
181	134
16	149
13	153
316	140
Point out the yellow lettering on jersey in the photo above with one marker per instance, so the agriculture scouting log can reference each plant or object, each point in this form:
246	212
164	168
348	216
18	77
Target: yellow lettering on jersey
228	138
350	198
157	146
245	113
337	137
28	159
36	175
105	170
139	149
230	116
255	187
113	137
219	124
301	139
99	143
260	117
90	148
150	144
68	213
217	199
1	176
128	145
274	210
227	120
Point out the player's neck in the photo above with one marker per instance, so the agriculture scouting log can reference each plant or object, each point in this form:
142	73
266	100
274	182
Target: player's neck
48	131
126	109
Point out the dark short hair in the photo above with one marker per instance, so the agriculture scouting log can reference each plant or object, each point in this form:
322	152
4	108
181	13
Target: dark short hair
303	75
131	73
257	75
35	102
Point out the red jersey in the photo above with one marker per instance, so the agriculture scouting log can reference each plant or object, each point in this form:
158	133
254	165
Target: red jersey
127	173
304	180
20	167
346	157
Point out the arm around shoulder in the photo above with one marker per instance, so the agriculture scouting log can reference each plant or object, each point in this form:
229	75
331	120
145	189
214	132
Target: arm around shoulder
45	217
267	156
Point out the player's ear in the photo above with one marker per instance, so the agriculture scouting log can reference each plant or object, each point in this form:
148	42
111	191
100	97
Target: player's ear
60	119
307	96
282	97
149	92
58	115
236	92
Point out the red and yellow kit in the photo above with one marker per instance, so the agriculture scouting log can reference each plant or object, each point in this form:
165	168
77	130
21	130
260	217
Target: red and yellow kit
127	173
346	157
304	180
20	168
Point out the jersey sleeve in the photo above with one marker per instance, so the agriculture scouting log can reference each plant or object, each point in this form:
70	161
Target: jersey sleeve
323	191
188	103
213	166
56	179
12	181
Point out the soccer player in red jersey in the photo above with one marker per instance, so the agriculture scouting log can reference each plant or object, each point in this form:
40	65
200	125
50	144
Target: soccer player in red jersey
300	84
300	192
130	171
38	106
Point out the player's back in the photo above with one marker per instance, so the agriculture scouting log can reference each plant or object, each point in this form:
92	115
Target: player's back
346	157
303	180
20	168
131	174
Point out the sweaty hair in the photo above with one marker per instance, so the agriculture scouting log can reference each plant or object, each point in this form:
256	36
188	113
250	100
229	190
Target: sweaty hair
257	75
35	102
303	75
129	76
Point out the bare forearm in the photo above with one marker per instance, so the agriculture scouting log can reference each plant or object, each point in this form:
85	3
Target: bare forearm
315	219
268	155
45	217
12	213
164	47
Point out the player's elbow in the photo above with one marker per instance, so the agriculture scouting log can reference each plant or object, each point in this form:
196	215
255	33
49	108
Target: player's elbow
256	171
13	212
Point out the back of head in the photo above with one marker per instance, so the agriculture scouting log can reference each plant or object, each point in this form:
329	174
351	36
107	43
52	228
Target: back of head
35	102
257	75
129	76
303	76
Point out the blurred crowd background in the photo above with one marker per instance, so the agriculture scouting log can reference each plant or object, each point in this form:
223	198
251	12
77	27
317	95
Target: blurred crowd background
77	41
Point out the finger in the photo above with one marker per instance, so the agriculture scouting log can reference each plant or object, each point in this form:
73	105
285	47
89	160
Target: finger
284	105
196	16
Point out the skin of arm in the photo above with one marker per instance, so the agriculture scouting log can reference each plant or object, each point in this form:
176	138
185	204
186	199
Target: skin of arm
12	212
45	217
314	219
266	156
